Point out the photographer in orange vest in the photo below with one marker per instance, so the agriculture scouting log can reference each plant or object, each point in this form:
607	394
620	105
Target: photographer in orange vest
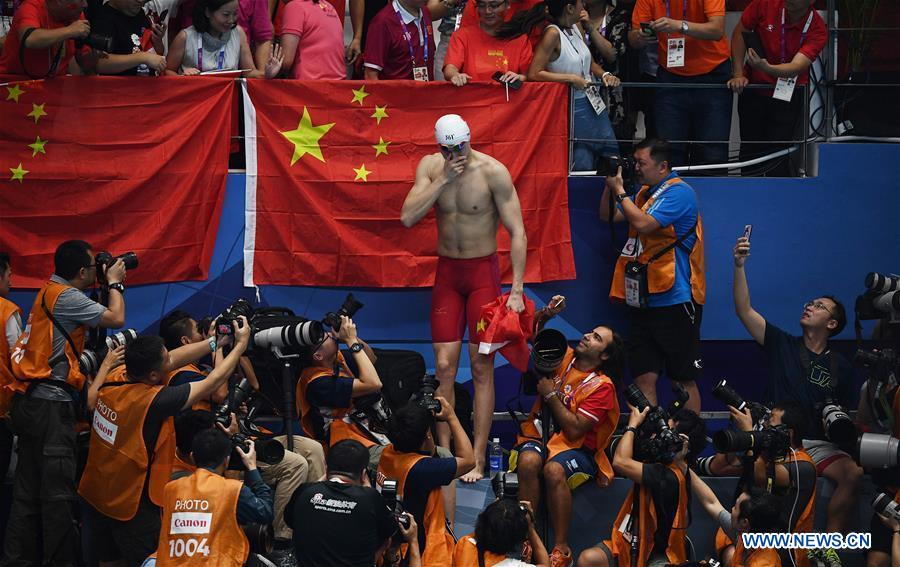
45	405
412	461
11	325
203	512
129	419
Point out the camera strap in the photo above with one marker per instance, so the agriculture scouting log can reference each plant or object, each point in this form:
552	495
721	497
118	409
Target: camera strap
62	356
54	62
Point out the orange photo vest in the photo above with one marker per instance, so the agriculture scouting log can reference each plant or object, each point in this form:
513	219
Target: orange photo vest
118	461
675	551
439	543
580	387
337	429
7	380
31	355
661	273
466	554
199	523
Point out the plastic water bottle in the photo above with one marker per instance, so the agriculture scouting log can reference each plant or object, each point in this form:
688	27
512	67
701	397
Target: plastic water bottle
496	457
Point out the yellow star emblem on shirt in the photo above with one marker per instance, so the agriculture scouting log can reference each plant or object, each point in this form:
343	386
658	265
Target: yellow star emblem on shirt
14	92
306	138
380	112
381	147
38	147
362	173
18	173
480	326
37	111
359	95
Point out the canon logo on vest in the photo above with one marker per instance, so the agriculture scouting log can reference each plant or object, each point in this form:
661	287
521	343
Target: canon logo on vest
103	424
190	523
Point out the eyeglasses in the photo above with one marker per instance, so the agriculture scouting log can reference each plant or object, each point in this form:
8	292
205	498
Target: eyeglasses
449	151
489	6
818	305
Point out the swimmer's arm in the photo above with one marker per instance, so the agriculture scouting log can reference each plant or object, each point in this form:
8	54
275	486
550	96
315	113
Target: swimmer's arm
507	202
423	195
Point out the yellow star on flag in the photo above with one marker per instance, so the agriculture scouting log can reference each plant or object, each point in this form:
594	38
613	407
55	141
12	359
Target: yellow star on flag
306	138
381	147
480	326
362	173
380	112
14	92
38	147
18	173
359	95
37	111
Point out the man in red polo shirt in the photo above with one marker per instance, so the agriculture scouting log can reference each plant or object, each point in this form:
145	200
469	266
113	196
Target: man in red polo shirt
50	46
792	35
400	43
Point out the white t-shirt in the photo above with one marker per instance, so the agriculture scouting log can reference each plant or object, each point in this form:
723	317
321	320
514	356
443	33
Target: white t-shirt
513	563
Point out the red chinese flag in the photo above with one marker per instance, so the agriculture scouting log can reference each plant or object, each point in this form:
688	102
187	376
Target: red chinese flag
125	163
501	328
329	164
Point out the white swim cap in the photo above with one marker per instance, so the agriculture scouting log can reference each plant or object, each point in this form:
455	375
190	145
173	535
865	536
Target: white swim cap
451	130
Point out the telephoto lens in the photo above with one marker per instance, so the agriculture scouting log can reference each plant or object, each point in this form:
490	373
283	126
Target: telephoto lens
878	451
885	505
296	335
548	351
880	283
636	397
726	394
839	428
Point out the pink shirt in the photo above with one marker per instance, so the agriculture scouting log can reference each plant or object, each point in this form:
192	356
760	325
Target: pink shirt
320	52
253	16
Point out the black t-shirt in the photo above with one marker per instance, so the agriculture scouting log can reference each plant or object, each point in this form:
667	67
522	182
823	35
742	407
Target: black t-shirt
335	524
662	484
126	31
806	379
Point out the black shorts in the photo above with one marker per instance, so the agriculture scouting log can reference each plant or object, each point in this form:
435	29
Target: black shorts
132	541
666	338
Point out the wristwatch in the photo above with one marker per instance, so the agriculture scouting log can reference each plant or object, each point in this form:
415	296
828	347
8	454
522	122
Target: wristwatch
684	26
118	286
212	344
355	348
622	197
632	429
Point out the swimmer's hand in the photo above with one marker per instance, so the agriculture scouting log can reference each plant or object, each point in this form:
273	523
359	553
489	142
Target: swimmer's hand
454	167
515	302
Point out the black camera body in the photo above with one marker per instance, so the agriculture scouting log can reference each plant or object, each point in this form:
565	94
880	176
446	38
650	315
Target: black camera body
506	485
608	165
225	321
655	441
348	309
728	396
393	503
425	396
96	41
268	451
773	442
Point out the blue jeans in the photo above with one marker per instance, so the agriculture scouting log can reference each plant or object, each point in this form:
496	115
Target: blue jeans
695	114
588	125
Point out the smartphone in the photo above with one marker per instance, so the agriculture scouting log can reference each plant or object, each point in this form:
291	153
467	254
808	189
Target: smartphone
557	303
645	27
747	230
514	85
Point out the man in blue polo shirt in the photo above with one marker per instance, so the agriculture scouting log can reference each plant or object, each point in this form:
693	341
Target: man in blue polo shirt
660	273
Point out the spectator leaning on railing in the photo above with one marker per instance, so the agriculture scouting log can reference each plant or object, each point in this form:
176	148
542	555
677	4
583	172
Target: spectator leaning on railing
792	35
607	40
137	42
692	49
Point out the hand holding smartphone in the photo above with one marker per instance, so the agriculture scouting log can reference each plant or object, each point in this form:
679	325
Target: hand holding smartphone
747	230
646	29
514	85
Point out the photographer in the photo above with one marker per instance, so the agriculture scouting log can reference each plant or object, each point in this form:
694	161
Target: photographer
45	404
582	399
500	533
135	41
212	507
805	369
794	475
656	510
341	521
411	460
327	389
755	511
663	258
178	329
43	40
128	422
11	327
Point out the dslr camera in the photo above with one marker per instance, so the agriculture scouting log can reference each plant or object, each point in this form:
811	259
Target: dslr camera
425	395
656	442
268	451
348	309
105	259
772	441
728	396
506	485
97	41
607	166
885	505
89	361
270	330
393	503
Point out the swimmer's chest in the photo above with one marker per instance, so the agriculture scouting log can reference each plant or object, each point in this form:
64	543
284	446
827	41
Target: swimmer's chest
468	195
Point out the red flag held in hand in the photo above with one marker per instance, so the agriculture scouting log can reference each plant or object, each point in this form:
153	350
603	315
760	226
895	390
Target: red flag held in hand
501	328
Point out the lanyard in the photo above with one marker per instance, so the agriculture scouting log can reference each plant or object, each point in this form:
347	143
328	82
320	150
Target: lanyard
802	34
220	58
583	383
424	29
683	10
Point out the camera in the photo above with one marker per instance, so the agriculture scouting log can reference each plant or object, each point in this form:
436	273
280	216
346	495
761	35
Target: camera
225	322
238	395
875	358
89	361
656	442
506	485
607	166
726	394
880	283
268	451
300	334
389	494
348	309
426	394
881	299
261	537
885	505
547	354
839	428
878	451
96	41
773	441
103	259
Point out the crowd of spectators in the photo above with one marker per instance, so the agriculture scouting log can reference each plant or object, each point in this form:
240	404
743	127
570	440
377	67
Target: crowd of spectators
591	46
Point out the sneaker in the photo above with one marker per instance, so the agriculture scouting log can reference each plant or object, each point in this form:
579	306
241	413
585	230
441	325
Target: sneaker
283	558
558	558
